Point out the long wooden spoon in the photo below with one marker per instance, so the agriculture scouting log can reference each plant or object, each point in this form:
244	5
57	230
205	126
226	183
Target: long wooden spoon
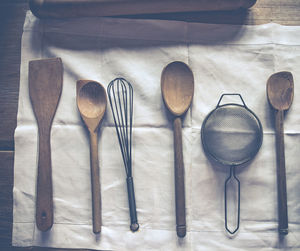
45	85
91	102
177	86
280	91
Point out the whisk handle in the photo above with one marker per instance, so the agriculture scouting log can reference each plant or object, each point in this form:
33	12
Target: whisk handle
132	207
179	179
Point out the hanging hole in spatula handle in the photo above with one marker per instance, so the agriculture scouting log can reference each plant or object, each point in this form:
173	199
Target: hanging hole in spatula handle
230	94
232	176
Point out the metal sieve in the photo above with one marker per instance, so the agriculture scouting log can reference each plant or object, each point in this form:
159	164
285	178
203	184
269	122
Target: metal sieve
232	135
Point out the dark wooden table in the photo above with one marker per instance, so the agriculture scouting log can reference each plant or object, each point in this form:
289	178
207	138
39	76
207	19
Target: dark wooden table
12	14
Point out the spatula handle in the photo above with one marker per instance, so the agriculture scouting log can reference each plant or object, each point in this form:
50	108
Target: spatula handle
44	199
95	179
179	179
281	177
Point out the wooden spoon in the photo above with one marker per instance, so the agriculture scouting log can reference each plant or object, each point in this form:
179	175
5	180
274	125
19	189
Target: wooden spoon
177	86
91	102
45	86
280	91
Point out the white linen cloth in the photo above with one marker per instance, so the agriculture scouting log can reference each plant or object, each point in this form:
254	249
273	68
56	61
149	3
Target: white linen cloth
224	59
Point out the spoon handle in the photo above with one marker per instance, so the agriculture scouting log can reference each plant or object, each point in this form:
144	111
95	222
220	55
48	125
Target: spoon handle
281	177
44	200
179	179
95	179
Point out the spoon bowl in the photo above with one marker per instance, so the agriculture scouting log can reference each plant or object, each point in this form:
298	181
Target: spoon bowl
91	102
280	90
177	86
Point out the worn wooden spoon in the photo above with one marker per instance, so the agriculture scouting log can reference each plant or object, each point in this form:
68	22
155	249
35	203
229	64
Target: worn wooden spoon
91	102
177	87
280	92
45	86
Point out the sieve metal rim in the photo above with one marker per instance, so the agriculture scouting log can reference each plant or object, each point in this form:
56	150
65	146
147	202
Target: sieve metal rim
213	156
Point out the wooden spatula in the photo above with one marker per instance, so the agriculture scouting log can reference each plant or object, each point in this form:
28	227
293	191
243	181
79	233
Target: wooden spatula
45	86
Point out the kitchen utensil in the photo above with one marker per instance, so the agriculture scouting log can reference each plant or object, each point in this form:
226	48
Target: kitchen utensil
177	87
91	102
120	94
84	8
232	135
280	92
45	86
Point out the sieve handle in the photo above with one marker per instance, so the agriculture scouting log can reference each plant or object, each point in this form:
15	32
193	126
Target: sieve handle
231	94
281	177
179	179
232	176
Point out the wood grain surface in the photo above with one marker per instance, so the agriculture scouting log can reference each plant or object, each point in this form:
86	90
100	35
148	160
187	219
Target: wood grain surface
84	8
12	14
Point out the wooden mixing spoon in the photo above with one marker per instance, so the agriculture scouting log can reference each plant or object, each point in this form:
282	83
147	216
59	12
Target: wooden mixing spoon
280	91
91	102
177	87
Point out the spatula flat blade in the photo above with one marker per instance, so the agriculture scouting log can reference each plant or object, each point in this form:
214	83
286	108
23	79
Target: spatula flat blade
45	86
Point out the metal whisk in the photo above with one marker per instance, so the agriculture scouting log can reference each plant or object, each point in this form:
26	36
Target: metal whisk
120	94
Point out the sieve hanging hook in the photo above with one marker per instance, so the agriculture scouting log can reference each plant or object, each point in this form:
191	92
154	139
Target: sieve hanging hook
231	94
232	176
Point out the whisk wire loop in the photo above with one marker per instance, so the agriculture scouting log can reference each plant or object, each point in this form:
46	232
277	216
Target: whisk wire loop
121	102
